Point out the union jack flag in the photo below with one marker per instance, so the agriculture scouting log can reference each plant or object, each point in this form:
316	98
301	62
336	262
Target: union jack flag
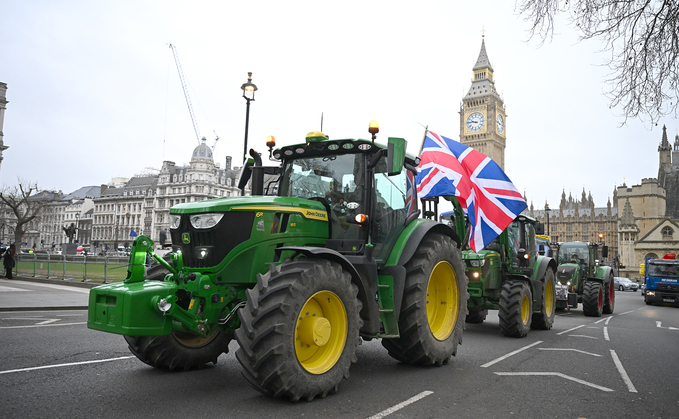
489	199
411	202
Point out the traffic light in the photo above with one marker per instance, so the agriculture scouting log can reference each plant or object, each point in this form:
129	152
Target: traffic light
95	243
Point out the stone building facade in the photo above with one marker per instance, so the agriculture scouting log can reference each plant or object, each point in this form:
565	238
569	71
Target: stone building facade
483	117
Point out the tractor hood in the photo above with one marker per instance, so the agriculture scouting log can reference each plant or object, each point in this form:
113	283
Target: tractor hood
565	273
307	208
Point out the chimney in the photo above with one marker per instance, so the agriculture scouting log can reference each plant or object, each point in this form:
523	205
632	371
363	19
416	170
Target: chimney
103	188
228	163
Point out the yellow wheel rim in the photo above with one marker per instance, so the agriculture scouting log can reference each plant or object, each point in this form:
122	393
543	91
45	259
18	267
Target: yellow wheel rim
549	298
525	309
442	301
321	332
192	341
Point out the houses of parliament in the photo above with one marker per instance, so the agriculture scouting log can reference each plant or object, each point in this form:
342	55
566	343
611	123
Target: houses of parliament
642	220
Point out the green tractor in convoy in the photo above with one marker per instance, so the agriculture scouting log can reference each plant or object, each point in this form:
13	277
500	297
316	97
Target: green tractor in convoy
509	275
336	255
582	279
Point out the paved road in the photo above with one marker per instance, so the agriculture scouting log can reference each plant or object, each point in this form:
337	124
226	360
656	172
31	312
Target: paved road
621	365
25	293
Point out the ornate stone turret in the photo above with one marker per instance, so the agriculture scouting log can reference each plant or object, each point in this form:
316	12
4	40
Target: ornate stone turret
665	157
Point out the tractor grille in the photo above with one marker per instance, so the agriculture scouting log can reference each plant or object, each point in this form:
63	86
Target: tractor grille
233	229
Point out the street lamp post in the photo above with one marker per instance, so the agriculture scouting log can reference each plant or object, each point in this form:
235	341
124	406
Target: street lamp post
249	89
77	227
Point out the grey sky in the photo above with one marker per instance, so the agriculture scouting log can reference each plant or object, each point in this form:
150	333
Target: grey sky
94	93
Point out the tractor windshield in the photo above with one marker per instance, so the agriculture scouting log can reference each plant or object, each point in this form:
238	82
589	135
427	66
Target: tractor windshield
574	253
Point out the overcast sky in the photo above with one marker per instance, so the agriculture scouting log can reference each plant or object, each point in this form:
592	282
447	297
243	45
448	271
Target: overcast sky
94	93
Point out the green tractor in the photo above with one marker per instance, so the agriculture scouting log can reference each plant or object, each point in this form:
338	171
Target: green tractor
337	254
511	276
581	279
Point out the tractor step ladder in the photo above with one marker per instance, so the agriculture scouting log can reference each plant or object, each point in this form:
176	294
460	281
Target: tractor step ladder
385	293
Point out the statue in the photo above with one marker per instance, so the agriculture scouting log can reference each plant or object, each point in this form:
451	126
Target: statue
70	232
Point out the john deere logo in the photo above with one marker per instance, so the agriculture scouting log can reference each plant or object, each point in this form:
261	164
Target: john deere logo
186	239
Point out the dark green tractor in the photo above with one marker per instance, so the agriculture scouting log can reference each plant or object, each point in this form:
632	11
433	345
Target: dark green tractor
509	275
337	255
583	280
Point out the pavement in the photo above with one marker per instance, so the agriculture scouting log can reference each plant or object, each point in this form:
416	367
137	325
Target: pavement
25	293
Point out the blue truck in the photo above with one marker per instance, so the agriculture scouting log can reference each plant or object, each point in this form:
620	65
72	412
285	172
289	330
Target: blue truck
661	277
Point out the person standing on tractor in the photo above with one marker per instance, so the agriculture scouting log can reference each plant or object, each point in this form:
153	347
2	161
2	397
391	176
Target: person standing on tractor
8	261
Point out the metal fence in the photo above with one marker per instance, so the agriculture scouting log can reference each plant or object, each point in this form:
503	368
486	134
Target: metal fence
86	268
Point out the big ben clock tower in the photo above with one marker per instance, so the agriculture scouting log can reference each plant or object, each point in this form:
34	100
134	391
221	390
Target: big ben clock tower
483	121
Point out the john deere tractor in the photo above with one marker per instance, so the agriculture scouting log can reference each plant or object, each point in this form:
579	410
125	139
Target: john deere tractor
298	278
510	276
583	280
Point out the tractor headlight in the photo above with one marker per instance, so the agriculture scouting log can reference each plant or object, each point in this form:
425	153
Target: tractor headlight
476	274
202	252
175	220
203	221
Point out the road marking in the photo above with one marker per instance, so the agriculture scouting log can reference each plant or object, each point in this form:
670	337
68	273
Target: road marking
627	312
568	349
606	319
401	405
606	333
659	324
10	289
570	330
41	325
622	372
57	287
557	374
66	365
583	336
510	354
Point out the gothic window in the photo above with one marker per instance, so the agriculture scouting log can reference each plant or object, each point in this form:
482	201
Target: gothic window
651	256
667	233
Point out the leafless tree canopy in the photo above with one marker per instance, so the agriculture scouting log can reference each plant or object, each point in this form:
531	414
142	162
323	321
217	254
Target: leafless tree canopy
642	37
24	209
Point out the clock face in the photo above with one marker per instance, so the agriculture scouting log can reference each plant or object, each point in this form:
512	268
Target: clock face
475	121
500	123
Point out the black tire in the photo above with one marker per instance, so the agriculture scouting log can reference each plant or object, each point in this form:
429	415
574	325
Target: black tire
609	298
516	307
157	272
430	333
281	311
477	316
545	318
620	288
179	351
592	299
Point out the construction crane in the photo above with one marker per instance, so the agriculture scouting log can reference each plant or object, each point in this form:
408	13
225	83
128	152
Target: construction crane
188	99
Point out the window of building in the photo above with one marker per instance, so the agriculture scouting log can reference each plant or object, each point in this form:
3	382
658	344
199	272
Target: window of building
667	233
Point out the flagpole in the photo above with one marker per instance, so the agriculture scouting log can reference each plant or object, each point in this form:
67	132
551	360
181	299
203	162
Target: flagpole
426	129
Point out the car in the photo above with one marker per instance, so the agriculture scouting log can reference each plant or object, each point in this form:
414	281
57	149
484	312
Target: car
624	284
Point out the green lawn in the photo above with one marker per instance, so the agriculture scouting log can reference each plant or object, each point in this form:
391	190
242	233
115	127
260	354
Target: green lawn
96	269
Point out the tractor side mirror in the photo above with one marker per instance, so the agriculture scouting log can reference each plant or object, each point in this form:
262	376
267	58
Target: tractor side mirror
539	228
396	156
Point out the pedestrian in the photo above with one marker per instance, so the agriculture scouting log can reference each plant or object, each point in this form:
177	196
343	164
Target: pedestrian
8	261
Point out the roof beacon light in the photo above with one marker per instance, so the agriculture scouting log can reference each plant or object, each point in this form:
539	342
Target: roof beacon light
374	128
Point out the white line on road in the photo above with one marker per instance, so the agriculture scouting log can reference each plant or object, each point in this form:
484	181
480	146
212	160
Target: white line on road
11	289
510	354
659	324
622	372
401	405
571	329
57	287
606	319
606	333
568	349
66	365
41	325
627	312
557	374
583	336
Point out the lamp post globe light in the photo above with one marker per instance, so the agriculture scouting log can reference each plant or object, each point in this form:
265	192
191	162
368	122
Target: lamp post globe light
249	90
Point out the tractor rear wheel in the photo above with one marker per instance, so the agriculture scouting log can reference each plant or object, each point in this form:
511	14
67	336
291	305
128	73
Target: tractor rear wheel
476	316
434	304
592	299
516	308
299	329
179	351
545	318
609	299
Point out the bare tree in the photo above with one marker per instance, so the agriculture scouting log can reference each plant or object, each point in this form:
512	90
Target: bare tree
24	209
642	37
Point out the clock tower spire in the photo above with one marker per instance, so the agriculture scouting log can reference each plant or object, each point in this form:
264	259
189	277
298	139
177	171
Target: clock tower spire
482	112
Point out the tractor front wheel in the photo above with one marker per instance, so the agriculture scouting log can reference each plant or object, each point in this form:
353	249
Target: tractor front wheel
516	308
609	300
434	304
299	329
592	299
476	316
179	351
545	318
